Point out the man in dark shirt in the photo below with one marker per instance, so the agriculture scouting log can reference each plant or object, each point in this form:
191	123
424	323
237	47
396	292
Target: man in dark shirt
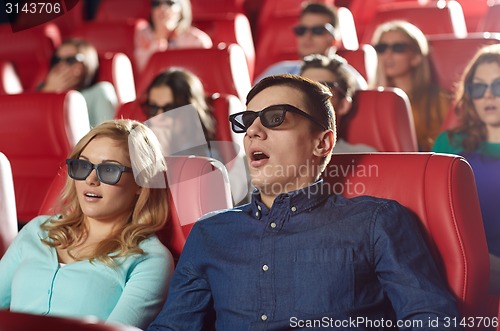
297	256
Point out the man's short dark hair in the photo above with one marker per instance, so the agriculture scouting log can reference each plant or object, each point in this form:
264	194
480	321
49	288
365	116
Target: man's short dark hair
321	9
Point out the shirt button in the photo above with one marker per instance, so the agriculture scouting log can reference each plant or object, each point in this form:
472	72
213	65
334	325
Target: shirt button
263	317
294	209
265	267
273	225
257	214
259	207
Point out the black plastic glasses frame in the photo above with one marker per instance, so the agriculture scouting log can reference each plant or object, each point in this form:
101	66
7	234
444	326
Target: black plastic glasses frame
107	173
270	117
381	48
151	110
317	30
157	3
69	60
478	90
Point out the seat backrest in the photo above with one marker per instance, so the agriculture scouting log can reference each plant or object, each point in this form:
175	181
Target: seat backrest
29	51
208	9
14	321
364	60
440	190
489	22
197	185
37	132
449	55
117	10
382	119
230	29
226	73
9	80
112	36
8	217
116	68
449	14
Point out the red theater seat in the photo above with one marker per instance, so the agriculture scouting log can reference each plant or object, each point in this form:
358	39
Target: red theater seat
29	51
382	119
230	29
450	55
112	36
12	321
206	9
117	10
364	60
37	132
9	80
8	216
221	70
441	191
116	68
490	22
197	185
435	17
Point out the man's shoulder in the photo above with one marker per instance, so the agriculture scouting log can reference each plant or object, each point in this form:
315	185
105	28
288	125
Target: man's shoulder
223	214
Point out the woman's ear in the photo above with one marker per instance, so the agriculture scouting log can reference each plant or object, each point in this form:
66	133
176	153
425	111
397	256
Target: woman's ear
325	143
416	59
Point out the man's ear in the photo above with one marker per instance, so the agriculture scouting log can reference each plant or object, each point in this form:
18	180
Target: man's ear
325	143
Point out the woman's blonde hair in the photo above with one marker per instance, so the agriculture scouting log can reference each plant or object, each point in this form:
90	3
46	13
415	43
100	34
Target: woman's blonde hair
421	75
147	215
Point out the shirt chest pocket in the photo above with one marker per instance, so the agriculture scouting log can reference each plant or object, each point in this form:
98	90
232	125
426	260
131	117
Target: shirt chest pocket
324	280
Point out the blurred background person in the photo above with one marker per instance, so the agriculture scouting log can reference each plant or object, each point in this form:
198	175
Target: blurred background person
477	138
169	28
316	33
333	73
74	66
403	62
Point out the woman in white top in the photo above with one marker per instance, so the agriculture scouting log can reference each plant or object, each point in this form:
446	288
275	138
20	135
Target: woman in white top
170	27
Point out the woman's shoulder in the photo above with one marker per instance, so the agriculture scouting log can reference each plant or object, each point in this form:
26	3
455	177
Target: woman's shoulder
444	144
194	37
153	245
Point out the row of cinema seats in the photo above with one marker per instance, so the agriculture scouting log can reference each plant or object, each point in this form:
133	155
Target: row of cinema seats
443	197
38	130
221	71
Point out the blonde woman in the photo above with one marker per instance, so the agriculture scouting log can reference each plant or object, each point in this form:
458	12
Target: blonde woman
100	256
403	57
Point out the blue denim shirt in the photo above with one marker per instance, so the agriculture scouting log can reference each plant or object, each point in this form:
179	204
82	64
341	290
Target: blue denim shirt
311	258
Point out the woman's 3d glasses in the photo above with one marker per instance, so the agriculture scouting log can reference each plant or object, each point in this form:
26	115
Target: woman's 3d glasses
477	90
157	3
151	110
107	173
69	60
317	30
381	48
270	117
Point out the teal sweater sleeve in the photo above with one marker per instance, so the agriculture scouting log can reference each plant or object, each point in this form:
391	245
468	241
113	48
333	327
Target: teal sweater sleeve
443	145
33	281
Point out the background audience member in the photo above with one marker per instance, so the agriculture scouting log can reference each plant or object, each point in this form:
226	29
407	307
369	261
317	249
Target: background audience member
316	34
177	87
180	133
333	73
403	57
74	67
100	257
296	250
477	138
170	27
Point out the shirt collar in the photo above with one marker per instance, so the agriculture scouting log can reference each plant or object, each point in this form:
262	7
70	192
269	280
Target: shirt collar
298	200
